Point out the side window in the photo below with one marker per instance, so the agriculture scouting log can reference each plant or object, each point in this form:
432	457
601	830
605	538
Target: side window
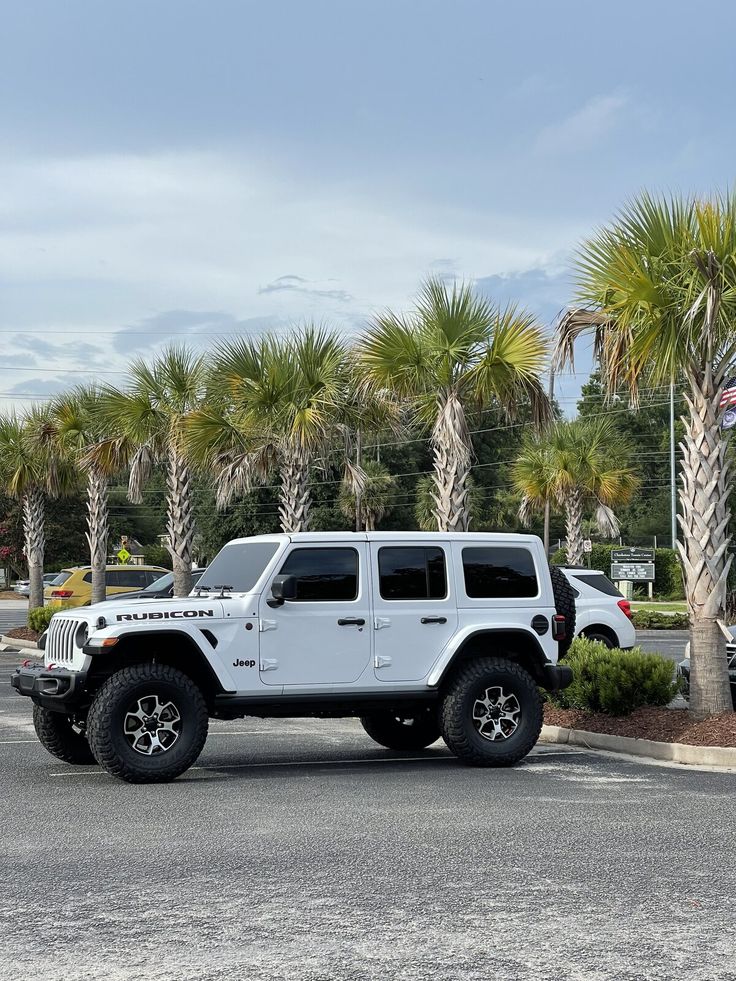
127	578
412	573
323	573
113	577
86	578
499	572
152	577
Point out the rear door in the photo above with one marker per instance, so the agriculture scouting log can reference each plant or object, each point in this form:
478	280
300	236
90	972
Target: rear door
414	608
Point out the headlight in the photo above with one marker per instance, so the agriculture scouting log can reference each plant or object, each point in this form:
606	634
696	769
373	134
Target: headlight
80	637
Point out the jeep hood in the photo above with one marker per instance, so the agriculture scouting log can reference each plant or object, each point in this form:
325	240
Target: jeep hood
157	610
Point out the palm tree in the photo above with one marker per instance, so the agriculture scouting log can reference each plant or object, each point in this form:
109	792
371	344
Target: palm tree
274	404
147	419
578	464
374	496
30	470
453	352
77	422
425	506
659	289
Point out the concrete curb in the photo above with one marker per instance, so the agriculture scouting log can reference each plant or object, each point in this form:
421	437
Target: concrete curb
29	645
21	647
724	756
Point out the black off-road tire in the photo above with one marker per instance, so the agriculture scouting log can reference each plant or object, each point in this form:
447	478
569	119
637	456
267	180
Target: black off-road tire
58	734
565	606
403	732
115	699
469	684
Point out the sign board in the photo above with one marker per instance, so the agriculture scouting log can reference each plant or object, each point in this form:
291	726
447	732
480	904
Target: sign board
632	554
123	555
632	571
587	545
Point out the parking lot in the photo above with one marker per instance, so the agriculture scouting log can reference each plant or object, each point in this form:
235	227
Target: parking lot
300	849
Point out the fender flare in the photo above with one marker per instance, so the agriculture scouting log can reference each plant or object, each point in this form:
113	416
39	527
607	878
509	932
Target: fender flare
194	653
533	653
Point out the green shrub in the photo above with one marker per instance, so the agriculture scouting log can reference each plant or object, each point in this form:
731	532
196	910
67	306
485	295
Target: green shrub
38	618
654	620
613	681
157	555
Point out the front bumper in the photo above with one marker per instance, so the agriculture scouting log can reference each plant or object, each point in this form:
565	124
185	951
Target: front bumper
557	676
54	688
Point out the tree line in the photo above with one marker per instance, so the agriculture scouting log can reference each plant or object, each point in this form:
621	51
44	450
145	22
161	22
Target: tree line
657	291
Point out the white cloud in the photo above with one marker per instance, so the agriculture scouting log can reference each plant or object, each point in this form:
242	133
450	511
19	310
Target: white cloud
584	128
115	245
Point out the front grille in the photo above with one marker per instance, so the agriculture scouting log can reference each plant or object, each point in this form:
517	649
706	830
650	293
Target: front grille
60	640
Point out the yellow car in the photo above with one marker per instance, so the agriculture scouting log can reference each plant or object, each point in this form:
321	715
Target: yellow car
73	587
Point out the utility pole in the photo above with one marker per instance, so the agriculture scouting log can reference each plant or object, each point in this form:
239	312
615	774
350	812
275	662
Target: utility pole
550	392
358	495
673	491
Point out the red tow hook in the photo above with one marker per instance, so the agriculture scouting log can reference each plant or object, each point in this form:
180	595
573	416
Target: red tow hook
559	627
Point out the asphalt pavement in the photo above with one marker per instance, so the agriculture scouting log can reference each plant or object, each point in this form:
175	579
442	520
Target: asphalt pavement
299	849
13	613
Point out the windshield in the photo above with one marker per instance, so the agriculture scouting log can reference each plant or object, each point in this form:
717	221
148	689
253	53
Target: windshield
239	566
158	584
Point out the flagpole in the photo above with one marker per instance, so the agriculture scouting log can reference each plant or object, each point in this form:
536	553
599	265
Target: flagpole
673	491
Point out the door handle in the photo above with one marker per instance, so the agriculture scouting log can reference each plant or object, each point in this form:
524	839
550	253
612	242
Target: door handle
351	622
434	620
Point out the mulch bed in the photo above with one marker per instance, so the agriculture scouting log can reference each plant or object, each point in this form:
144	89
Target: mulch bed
22	633
662	724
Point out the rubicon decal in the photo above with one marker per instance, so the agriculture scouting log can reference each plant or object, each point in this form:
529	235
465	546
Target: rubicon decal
166	615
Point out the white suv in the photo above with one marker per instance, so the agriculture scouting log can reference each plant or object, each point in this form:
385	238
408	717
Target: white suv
418	635
602	613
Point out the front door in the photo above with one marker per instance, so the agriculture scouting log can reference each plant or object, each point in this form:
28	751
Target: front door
322	637
414	608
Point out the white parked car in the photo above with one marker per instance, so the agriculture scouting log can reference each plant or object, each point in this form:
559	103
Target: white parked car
602	613
418	635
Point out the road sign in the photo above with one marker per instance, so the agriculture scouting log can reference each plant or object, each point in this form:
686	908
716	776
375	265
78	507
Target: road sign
587	545
123	555
632	554
632	571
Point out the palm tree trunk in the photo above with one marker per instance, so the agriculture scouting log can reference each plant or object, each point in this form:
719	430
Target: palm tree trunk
574	527
294	496
180	522
451	450
34	513
704	491
97	531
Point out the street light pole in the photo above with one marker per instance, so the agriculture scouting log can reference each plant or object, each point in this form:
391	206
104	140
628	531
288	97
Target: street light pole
551	392
673	491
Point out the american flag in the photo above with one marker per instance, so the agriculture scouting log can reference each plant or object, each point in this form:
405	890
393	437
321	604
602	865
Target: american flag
729	394
728	404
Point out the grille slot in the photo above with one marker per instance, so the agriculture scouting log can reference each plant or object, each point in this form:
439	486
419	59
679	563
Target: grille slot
60	640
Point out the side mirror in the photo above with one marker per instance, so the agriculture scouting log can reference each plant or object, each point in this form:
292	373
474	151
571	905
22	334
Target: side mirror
282	588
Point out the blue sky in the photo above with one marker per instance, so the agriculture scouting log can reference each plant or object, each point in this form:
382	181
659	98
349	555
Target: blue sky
183	170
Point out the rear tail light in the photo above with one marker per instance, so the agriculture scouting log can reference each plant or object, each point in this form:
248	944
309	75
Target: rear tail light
625	607
559	627
62	593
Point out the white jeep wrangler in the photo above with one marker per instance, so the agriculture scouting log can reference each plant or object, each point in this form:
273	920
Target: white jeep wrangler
418	635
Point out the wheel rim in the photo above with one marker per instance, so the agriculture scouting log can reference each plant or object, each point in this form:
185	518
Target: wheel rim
151	726
497	714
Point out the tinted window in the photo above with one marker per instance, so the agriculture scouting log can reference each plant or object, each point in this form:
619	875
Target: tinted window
600	582
408	573
499	572
323	573
127	578
239	566
88	577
